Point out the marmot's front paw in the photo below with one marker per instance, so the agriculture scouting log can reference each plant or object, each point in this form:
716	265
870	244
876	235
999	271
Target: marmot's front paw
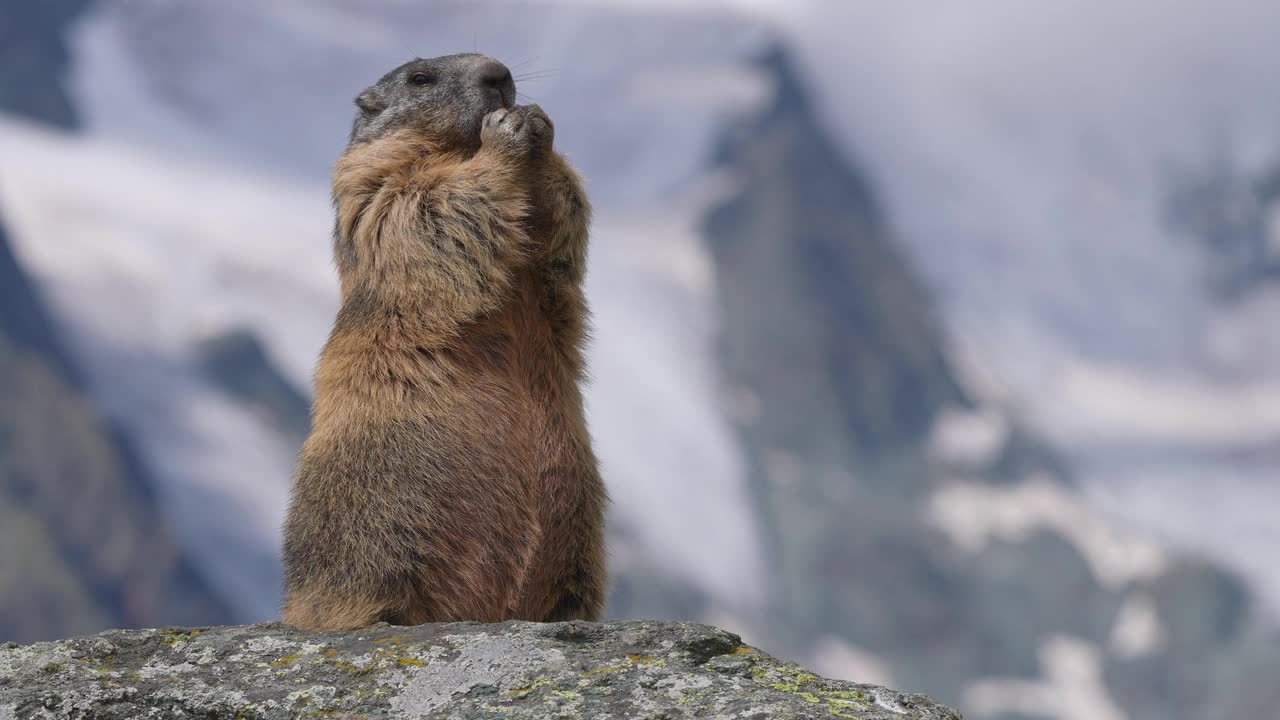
521	130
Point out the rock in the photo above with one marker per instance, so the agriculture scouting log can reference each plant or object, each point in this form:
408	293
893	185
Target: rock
625	669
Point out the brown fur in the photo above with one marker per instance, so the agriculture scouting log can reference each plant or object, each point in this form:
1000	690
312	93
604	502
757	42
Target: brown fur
449	474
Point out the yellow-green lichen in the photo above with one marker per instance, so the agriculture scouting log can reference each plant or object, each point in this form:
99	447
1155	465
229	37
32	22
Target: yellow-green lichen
607	669
394	651
630	661
837	707
808	687
287	659
173	635
522	691
354	669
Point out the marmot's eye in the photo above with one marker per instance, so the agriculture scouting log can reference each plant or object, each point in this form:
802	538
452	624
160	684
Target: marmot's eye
421	79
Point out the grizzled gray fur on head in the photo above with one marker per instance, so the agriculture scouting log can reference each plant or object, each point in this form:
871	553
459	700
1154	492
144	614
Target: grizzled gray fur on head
445	97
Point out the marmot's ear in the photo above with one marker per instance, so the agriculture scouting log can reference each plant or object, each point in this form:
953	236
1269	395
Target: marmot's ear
369	102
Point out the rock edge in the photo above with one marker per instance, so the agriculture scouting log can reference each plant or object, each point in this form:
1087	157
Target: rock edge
625	669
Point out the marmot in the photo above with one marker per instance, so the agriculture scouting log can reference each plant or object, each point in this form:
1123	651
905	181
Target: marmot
449	474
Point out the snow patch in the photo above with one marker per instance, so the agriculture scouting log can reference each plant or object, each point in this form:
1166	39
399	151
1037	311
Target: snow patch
834	657
1072	687
969	438
1111	405
1137	630
974	514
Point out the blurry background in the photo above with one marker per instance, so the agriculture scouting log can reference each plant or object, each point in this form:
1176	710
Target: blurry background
936	343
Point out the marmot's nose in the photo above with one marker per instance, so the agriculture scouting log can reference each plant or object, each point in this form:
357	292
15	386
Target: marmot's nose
490	74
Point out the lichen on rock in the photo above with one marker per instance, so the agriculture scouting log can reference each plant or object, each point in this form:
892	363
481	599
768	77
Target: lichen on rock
627	669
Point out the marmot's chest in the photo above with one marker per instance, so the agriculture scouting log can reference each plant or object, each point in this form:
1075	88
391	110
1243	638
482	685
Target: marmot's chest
539	368
526	343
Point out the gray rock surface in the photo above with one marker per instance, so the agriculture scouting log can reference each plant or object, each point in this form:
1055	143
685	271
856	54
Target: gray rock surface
627	669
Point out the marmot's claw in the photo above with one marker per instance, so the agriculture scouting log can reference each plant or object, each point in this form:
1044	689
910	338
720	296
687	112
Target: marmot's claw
543	126
494	118
521	129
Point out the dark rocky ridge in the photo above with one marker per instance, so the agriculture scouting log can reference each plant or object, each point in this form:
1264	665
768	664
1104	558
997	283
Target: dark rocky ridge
25	321
633	669
1233	221
812	270
35	61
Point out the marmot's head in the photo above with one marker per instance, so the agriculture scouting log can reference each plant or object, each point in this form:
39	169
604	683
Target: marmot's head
444	98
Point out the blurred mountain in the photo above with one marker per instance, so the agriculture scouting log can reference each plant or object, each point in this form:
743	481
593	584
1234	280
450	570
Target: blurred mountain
927	532
84	546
